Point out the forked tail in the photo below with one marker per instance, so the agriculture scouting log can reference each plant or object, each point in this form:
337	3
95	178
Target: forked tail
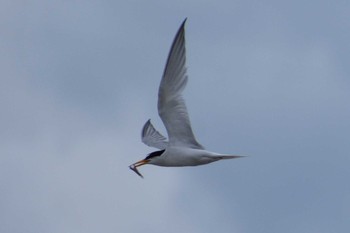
230	156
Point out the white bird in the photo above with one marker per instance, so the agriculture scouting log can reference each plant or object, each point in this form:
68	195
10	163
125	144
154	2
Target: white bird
182	149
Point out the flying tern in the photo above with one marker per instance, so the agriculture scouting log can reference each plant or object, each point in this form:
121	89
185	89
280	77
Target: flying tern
182	148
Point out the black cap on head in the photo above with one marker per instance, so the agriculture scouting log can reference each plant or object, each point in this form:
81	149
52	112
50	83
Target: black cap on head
154	154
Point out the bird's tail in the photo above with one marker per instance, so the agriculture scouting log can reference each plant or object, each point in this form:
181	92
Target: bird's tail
230	156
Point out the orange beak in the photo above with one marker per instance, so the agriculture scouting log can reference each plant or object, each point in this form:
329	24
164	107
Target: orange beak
138	164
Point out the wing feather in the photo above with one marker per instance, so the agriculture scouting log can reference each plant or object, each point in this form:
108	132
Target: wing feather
171	105
151	137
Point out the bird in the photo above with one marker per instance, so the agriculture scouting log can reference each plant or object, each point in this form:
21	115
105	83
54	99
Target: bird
182	148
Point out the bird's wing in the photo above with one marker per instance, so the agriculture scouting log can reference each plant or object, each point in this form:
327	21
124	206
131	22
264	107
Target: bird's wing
171	105
151	137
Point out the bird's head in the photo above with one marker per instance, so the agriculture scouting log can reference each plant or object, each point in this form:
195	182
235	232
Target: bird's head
150	159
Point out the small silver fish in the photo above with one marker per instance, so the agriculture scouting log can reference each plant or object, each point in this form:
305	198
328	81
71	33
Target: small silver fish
133	167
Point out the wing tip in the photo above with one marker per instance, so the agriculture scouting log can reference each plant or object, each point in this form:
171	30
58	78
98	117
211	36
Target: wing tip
182	27
183	22
145	127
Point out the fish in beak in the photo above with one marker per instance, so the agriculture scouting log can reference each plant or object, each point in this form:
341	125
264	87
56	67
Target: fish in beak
138	164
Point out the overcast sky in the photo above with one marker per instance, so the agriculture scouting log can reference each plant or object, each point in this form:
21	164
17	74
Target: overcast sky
267	79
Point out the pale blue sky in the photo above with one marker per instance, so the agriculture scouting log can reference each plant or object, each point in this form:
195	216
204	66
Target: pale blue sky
268	79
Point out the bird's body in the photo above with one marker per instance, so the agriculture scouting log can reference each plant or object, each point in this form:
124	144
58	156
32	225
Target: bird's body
174	156
182	149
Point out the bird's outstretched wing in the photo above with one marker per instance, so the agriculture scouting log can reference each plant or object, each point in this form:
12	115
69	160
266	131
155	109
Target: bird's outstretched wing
171	105
151	137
